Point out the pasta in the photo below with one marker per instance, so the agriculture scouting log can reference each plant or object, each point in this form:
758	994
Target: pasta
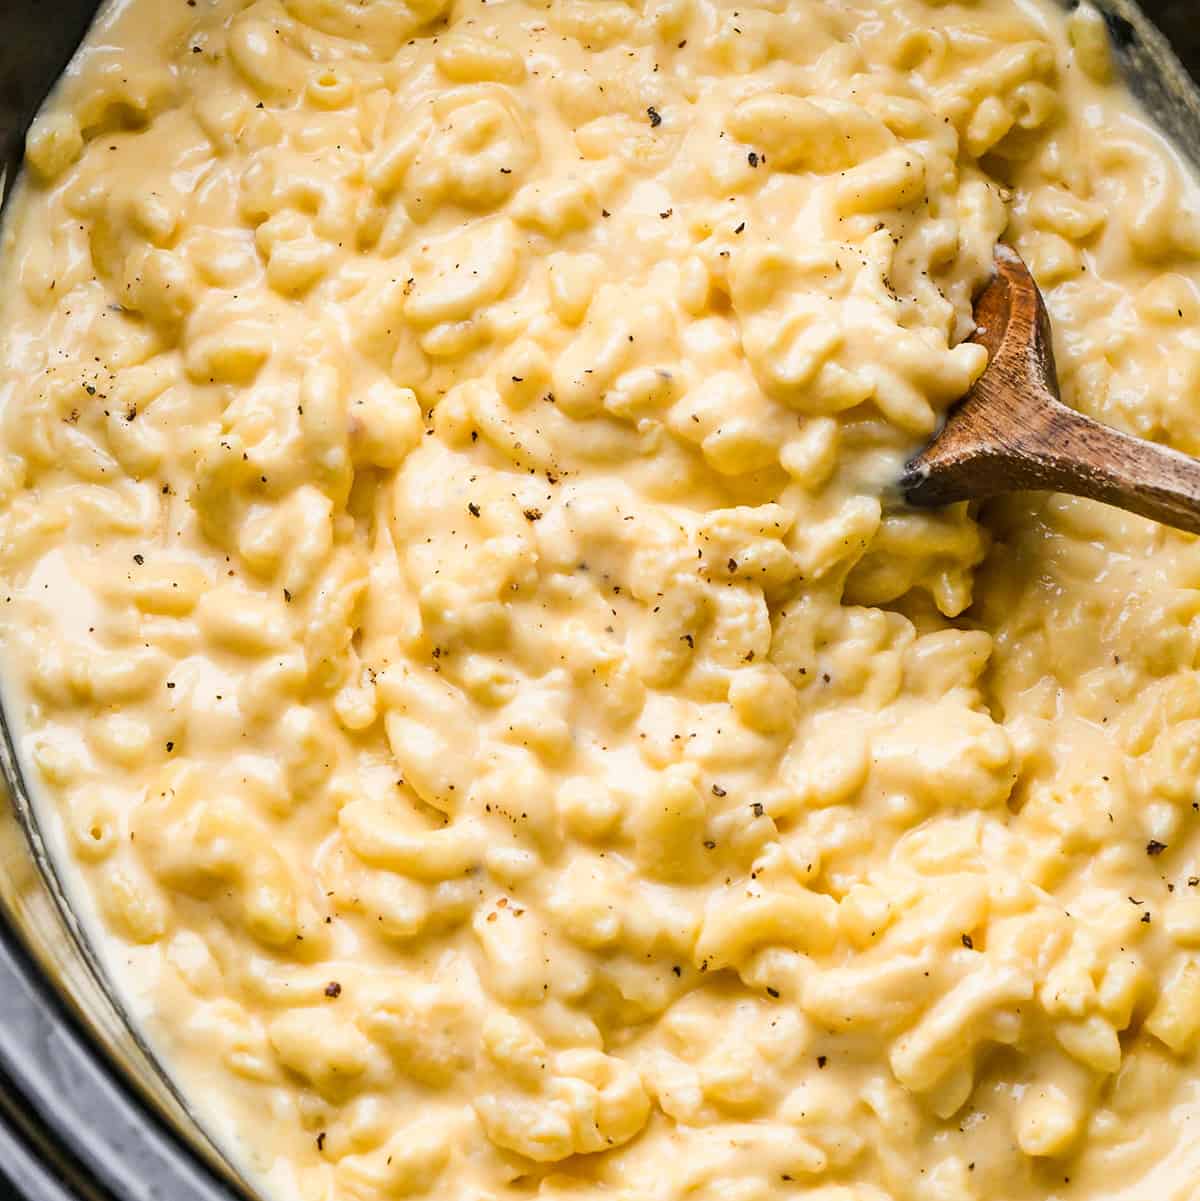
506	735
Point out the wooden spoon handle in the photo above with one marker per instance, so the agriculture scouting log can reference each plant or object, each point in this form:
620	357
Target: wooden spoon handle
1063	451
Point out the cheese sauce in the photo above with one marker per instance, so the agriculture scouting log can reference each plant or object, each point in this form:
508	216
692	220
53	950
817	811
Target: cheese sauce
507	737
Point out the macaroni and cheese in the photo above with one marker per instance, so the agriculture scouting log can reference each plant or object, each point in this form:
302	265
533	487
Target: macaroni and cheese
509	736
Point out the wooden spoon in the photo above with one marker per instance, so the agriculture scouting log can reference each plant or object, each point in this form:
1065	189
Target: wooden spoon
1012	433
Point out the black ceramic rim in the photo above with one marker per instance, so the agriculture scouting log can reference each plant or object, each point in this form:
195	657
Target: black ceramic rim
72	1125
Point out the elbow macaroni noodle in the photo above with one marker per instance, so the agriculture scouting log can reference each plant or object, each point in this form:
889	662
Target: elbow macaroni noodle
511	739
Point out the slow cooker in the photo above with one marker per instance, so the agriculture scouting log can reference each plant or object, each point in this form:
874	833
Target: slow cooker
86	1112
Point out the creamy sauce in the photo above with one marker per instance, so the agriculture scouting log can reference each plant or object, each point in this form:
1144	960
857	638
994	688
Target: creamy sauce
507	739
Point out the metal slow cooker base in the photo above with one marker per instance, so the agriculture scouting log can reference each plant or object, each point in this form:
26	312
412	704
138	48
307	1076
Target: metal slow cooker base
85	1112
70	1128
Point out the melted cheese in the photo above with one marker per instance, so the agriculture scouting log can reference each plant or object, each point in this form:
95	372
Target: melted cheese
506	733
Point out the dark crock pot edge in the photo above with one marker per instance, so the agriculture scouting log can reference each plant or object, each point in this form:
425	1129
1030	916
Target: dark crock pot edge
72	1128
